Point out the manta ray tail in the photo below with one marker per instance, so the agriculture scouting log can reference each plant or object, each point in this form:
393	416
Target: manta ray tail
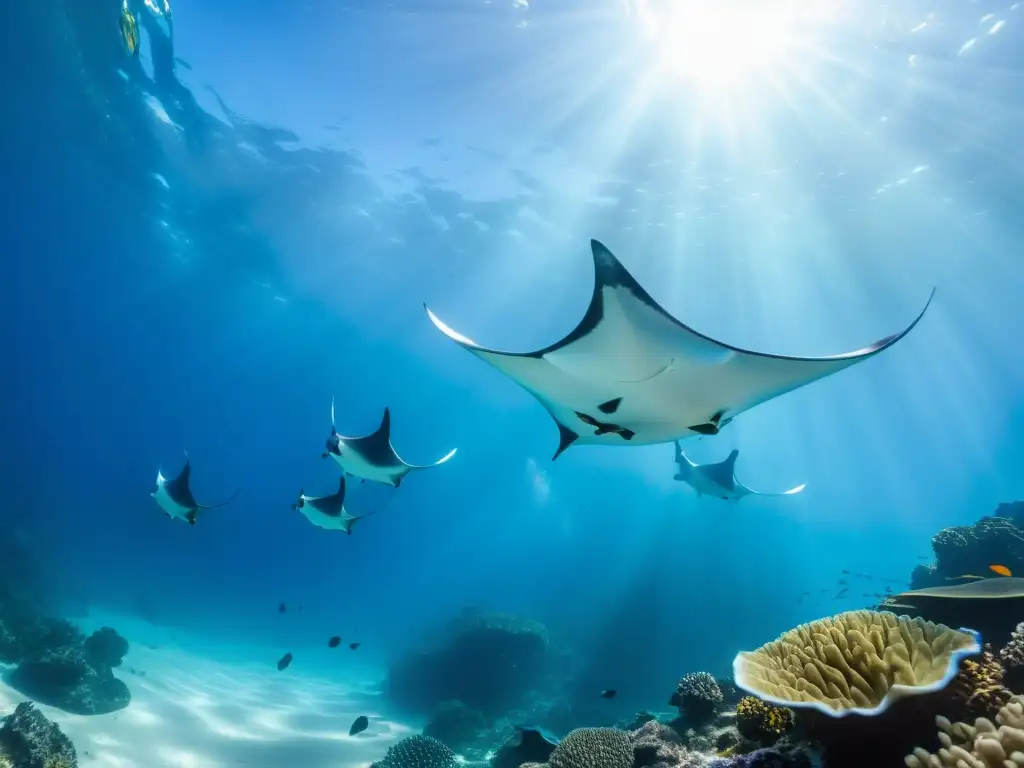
223	503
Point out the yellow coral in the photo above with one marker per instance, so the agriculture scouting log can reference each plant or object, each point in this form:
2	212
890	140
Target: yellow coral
856	662
760	721
981	745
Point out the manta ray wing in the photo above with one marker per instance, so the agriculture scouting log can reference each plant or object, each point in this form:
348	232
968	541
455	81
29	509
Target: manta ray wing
376	448
661	379
745	491
178	489
331	506
723	474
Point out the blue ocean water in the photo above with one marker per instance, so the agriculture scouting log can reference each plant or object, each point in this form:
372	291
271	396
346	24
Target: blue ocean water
206	243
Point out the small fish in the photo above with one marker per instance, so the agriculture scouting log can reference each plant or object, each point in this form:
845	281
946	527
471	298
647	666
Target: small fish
846	572
129	31
971	575
282	608
360	724
353	646
1002	570
608	693
898	605
334	642
284	662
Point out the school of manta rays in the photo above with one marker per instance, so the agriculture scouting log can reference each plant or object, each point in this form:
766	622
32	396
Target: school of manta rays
628	374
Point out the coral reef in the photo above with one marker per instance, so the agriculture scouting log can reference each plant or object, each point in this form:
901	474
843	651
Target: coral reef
106	647
526	745
490	662
762	722
978	690
859	661
29	740
418	752
981	745
1012	654
593	748
64	677
698	697
655	745
455	725
970	549
991	607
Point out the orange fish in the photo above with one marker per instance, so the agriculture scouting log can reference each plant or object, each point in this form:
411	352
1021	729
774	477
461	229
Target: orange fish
1002	570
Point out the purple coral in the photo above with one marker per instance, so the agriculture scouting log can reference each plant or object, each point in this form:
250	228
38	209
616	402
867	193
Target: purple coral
765	758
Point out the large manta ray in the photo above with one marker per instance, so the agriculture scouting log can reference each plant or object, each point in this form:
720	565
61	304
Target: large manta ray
328	512
631	374
175	497
719	480
372	457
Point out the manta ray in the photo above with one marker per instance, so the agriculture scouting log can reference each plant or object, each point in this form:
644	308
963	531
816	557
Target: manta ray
328	512
175	497
631	374
372	457
719	480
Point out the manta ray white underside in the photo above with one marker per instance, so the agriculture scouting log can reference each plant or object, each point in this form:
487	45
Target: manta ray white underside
631	374
372	457
719	480
327	512
175	497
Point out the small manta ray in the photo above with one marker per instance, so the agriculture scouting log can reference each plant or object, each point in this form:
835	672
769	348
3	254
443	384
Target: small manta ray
175	498
372	457
631	374
328	512
719	480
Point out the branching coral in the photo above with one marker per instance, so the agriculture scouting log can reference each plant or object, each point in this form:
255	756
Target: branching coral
593	748
978	689
982	745
1012	654
858	662
762	722
698	696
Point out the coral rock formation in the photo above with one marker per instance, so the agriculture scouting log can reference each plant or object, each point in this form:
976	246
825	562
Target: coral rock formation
456	725
29	740
418	752
106	647
972	548
490	662
698	697
981	745
855	661
64	677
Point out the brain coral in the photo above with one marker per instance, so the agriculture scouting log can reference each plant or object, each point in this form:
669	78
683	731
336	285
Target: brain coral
859	662
593	748
981	745
418	752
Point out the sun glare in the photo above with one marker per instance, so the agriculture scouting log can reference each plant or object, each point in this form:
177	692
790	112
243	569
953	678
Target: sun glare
719	43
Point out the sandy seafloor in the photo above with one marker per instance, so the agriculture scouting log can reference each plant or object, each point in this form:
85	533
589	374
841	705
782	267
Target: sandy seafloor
196	711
